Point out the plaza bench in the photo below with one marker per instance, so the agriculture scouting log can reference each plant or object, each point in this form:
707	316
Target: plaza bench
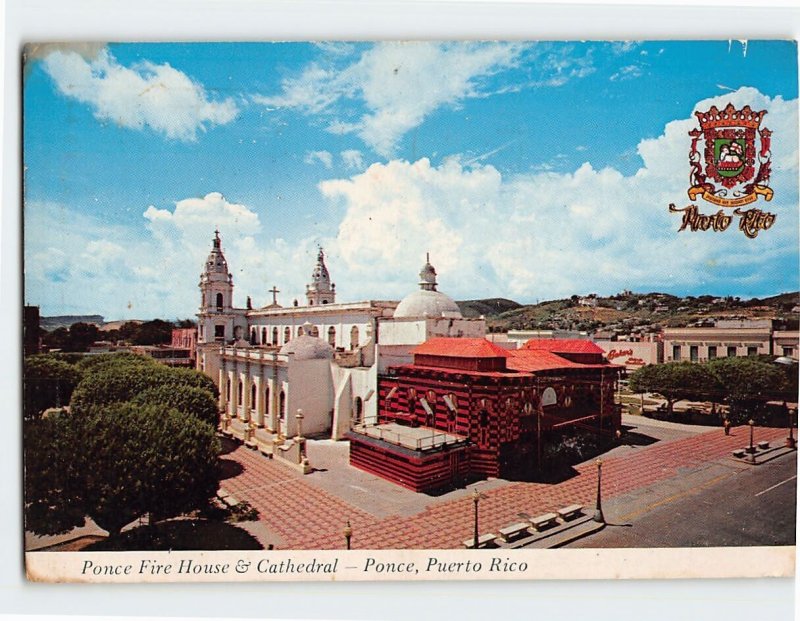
231	501
507	533
483	540
739	453
763	445
567	513
543	521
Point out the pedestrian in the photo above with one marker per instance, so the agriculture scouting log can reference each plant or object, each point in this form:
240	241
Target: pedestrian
726	423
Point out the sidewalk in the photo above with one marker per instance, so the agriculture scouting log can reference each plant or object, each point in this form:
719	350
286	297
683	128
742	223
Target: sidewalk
306	516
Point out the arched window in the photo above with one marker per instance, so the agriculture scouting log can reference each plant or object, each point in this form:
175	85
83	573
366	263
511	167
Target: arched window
483	418
253	397
359	409
241	389
263	336
549	397
220	302
332	336
314	331
287	334
253	336
227	391
353	337
266	400
282	405
274	336
300	331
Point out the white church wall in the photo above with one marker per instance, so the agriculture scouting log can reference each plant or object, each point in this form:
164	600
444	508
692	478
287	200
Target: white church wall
458	328
402	331
310	388
393	356
343	401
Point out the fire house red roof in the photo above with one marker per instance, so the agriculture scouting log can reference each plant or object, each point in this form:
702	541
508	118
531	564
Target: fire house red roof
530	360
563	346
460	348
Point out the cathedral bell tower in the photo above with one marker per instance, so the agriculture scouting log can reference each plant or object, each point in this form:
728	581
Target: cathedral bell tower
320	290
216	304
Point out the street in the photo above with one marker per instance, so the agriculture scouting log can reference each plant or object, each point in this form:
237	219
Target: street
730	504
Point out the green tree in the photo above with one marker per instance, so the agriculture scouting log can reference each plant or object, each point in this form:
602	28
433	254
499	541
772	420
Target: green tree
47	382
57	339
189	400
119	377
54	493
120	462
747	384
675	381
81	335
100	362
153	332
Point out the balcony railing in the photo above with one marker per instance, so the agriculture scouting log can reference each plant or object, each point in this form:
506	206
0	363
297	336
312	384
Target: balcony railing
418	439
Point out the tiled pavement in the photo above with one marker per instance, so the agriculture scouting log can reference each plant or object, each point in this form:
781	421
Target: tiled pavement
307	517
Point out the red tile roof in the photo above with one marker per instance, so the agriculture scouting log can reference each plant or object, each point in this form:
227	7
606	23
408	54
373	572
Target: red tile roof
531	360
563	346
460	348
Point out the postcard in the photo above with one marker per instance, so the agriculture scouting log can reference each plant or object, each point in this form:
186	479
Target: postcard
410	310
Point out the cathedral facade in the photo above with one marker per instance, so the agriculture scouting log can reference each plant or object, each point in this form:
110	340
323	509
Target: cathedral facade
322	359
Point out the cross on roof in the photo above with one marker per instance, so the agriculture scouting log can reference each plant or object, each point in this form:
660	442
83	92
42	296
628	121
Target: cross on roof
274	291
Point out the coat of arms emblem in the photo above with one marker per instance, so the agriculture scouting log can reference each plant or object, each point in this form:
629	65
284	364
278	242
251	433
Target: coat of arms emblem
725	172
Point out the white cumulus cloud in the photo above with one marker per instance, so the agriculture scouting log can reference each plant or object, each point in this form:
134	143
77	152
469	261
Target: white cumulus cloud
352	158
545	234
159	97
394	84
324	157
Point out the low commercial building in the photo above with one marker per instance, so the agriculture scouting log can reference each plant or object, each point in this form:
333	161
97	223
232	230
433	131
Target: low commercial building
786	343
725	339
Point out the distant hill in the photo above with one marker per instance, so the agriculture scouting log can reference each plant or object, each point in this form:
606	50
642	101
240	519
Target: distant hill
490	307
629	312
65	321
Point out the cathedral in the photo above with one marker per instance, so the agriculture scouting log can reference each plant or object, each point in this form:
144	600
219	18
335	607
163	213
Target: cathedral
323	358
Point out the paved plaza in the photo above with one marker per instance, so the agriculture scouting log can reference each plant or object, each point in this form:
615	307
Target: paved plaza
309	512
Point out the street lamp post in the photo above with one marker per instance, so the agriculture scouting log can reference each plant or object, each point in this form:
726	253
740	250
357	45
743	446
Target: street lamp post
790	442
348	533
751	449
598	512
476	497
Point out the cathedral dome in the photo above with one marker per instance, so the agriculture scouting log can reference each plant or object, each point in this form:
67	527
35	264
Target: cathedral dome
307	347
427	302
424	303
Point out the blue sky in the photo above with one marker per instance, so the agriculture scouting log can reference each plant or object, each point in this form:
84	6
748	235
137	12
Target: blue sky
528	170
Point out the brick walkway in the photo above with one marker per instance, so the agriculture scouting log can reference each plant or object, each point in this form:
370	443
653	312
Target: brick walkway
307	517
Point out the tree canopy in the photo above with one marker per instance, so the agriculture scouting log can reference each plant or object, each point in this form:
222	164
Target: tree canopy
115	464
675	381
189	400
47	382
116	378
741	382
